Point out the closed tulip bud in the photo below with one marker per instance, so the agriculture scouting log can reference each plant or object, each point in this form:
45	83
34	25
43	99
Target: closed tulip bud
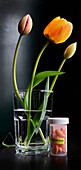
25	25
58	30
70	50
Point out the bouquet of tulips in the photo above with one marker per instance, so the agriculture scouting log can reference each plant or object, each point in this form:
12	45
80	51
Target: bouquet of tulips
57	31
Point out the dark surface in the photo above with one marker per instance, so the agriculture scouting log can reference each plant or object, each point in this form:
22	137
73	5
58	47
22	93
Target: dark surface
9	160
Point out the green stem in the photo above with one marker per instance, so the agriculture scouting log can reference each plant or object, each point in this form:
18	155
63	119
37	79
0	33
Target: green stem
6	138
31	84
8	146
42	136
34	71
14	70
54	80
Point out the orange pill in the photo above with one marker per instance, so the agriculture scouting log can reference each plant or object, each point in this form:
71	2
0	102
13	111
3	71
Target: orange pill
56	149
64	148
60	149
63	129
54	133
59	133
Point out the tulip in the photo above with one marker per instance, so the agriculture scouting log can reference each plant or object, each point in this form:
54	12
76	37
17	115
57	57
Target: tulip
25	25
68	53
58	30
70	50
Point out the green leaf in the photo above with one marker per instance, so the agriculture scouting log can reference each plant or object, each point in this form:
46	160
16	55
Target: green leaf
42	75
45	101
38	79
37	116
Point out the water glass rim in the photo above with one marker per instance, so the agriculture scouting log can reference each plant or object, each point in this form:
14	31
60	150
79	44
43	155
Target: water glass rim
21	109
34	90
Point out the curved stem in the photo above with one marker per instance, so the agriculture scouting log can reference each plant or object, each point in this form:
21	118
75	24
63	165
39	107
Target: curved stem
34	71
14	70
54	80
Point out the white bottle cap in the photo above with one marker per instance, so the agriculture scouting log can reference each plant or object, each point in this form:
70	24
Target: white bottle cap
58	120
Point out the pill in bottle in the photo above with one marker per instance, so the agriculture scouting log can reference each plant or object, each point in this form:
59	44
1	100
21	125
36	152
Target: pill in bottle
58	136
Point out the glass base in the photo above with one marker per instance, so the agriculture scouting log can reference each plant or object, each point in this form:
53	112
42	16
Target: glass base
32	150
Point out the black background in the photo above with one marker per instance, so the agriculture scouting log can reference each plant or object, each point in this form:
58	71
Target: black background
67	91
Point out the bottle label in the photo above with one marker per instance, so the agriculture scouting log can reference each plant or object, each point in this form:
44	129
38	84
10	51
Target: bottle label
57	140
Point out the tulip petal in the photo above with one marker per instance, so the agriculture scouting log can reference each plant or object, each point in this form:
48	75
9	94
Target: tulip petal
63	32
58	30
51	25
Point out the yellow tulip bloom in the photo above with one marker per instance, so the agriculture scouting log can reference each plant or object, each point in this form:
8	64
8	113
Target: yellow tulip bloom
58	30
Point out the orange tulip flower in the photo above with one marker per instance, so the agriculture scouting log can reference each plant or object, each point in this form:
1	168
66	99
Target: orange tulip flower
58	30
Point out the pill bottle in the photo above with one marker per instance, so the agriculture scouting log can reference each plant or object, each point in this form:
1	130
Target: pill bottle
58	136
